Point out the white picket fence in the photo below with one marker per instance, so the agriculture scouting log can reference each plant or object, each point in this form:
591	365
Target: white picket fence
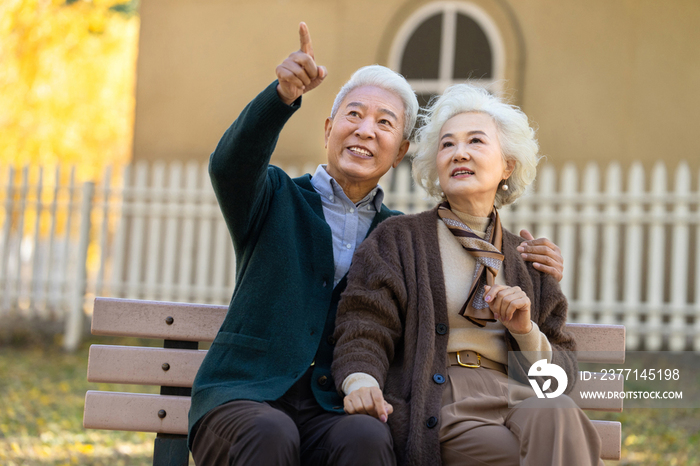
630	242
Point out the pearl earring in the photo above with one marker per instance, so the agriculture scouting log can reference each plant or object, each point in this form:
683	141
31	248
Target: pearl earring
504	187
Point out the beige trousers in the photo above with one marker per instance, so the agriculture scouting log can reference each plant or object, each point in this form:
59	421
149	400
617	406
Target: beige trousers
478	427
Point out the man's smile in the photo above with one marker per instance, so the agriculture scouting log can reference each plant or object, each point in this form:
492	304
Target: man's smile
361	151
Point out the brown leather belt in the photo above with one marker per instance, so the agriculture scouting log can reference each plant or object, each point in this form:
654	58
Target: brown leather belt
472	359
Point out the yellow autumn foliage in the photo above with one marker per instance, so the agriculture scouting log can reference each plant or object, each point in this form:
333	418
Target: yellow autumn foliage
67	75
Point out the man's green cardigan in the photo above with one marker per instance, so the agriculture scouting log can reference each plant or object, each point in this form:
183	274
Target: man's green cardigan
282	314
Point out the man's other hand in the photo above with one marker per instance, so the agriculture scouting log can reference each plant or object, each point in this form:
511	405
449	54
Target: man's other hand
544	255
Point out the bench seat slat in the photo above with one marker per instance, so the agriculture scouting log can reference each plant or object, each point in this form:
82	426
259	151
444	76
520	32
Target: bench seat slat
143	366
139	412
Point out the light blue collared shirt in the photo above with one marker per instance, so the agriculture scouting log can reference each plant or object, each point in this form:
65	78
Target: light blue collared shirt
349	221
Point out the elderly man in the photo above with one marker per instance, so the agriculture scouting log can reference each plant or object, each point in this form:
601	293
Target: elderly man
264	394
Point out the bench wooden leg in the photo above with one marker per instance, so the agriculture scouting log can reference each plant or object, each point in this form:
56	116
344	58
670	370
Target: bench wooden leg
171	450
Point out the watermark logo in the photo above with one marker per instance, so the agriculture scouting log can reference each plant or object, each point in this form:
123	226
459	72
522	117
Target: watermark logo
543	369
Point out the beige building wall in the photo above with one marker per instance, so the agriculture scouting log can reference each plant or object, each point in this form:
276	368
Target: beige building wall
603	79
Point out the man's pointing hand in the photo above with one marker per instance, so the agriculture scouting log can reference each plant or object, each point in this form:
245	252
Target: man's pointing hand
298	73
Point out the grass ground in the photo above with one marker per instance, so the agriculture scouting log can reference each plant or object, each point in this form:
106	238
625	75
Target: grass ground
42	391
657	437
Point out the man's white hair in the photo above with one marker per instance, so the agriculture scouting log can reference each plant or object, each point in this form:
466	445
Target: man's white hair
383	77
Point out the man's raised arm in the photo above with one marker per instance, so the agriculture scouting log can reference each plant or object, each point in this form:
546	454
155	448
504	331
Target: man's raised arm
238	165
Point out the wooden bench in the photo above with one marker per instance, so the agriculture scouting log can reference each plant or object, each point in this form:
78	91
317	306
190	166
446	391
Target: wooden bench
173	368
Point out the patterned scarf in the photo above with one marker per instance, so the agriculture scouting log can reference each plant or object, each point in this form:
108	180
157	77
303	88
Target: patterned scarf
487	254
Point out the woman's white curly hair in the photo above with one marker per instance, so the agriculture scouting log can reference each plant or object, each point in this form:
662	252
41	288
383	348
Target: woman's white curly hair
515	135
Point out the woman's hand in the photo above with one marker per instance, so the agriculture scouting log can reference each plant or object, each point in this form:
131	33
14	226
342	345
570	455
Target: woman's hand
368	400
544	255
511	306
299	73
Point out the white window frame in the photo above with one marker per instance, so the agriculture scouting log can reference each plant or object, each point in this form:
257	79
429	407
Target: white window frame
449	12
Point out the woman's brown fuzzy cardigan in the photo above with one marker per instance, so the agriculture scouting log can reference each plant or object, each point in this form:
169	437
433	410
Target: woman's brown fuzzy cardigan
392	318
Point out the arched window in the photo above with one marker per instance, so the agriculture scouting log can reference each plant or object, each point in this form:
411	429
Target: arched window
445	43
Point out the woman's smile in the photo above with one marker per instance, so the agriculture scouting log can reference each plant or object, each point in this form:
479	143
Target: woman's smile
461	172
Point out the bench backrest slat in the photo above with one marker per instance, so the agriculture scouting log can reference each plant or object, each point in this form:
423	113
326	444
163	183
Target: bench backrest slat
136	412
143	366
599	343
147	319
139	412
201	322
599	382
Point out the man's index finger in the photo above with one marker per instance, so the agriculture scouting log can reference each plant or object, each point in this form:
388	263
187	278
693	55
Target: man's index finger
305	39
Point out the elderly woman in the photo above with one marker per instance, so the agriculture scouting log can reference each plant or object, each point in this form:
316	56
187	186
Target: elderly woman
435	301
